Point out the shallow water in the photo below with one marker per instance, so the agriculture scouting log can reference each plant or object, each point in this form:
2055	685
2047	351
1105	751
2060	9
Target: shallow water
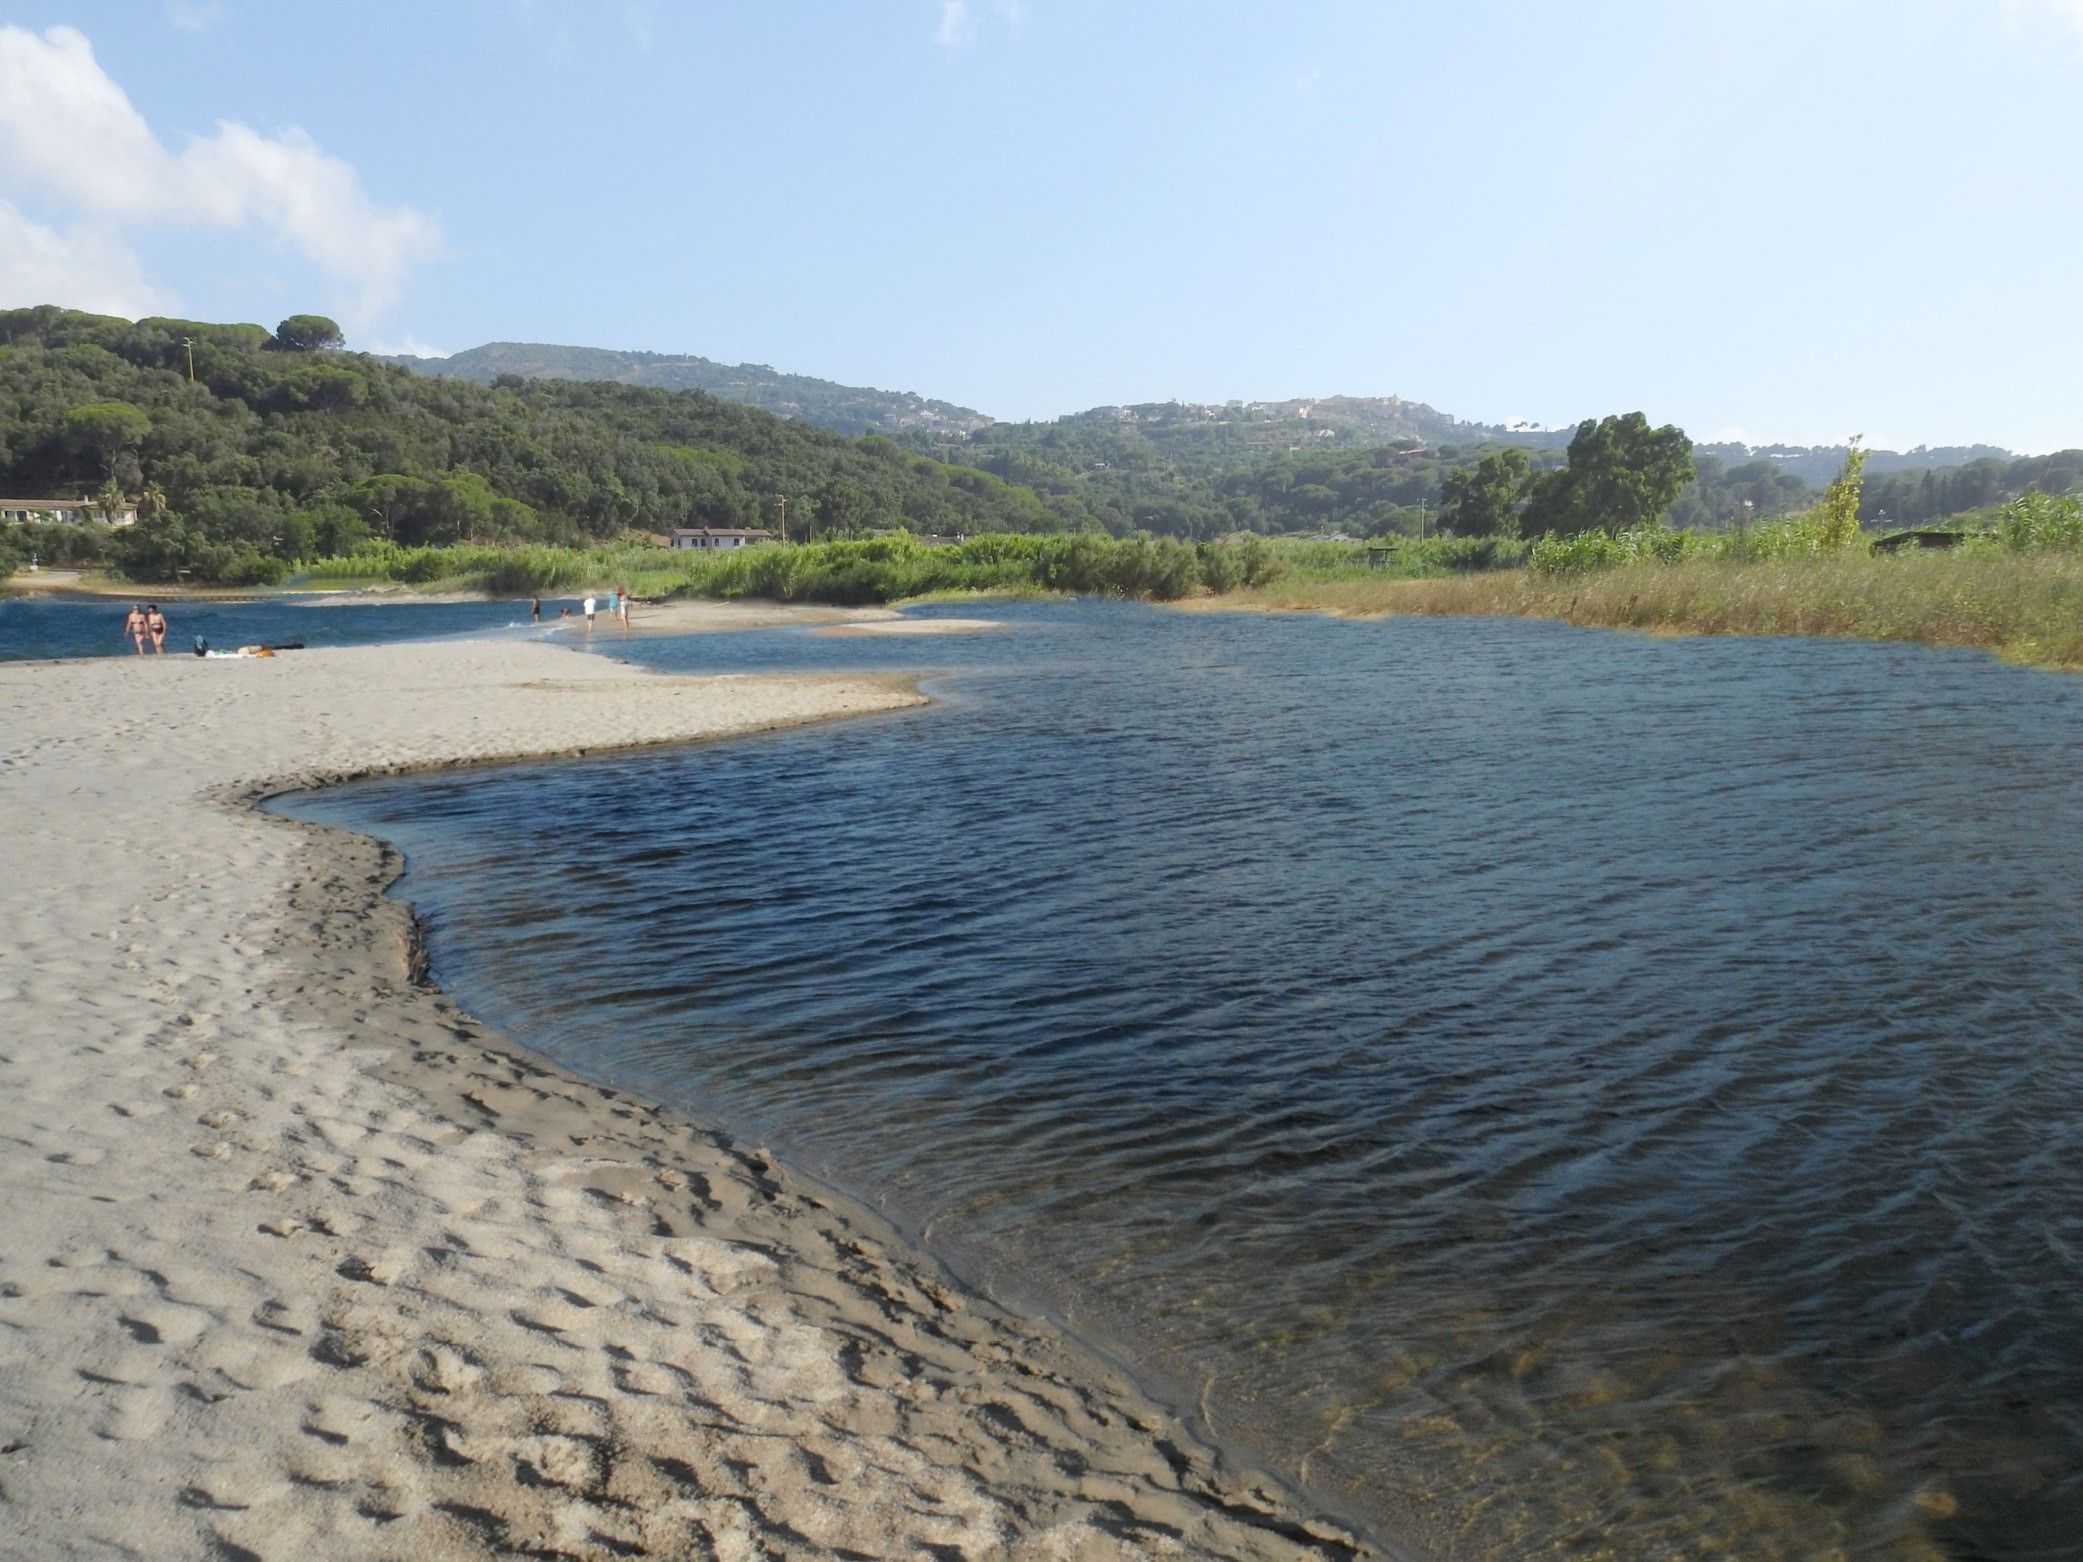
41	627
1554	1093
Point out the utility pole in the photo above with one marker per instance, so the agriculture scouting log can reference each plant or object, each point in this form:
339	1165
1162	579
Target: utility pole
783	499
189	343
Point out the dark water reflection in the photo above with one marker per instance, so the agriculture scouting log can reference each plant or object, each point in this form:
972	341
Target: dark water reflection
1555	1093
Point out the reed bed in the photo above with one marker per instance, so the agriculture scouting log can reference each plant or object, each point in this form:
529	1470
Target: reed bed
887	568
2025	606
2021	598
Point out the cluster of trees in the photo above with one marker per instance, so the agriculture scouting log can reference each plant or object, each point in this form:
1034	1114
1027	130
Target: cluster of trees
1722	495
1127	469
246	449
1632	476
1209	479
1914	498
851	409
1619	475
255	448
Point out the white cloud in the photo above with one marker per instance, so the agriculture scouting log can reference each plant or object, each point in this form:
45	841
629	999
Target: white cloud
2069	11
957	27
196	16
408	346
959	21
66	127
88	268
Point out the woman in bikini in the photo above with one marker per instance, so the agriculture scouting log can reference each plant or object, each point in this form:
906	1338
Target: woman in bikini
155	625
134	626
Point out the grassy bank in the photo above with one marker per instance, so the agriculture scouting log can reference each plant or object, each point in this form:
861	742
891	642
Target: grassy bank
2025	606
851	572
898	567
2020	597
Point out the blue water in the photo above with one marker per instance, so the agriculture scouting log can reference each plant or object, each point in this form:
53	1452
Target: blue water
41	627
1548	1092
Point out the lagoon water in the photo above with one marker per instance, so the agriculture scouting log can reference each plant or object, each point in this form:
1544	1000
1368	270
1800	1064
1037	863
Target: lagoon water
39	627
1551	1093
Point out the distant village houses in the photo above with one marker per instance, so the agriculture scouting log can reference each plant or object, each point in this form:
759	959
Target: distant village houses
69	512
718	536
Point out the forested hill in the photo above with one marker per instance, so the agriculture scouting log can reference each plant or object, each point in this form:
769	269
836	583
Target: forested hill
277	450
1817	464
851	409
1200	472
1232	430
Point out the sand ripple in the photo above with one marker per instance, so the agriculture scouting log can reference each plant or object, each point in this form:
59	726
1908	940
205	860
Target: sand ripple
300	1261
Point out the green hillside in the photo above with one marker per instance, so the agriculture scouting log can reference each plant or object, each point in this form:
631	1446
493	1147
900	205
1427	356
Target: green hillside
269	454
851	409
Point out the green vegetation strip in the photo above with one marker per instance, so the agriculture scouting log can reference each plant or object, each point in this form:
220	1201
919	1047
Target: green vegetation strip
2025	606
851	573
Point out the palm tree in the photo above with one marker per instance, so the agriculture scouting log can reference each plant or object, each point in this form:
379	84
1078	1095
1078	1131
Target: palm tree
110	498
151	498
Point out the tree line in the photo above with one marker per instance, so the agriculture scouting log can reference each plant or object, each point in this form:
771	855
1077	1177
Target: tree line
1209	480
246	449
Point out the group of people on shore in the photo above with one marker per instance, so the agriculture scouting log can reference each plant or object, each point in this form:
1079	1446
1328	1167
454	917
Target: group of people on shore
617	604
146	621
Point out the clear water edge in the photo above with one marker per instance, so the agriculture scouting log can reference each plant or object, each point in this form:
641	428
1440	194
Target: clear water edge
1743	1388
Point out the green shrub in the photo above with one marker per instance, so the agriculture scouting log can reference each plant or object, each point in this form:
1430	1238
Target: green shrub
2037	520
1798	536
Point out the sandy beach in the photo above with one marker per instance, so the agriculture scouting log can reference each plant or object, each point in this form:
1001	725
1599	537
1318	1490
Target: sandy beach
297	1260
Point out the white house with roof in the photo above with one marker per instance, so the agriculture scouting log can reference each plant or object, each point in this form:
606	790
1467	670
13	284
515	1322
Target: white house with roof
714	537
68	512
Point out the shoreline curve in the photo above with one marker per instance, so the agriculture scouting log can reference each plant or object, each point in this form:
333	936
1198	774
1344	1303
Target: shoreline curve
305	1261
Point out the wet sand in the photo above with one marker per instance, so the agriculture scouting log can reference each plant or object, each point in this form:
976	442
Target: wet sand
300	1261
891	624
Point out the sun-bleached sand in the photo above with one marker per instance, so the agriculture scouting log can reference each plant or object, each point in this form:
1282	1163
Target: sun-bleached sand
297	1260
893	625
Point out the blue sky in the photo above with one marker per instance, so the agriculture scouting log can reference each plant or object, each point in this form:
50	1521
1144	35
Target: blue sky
1756	218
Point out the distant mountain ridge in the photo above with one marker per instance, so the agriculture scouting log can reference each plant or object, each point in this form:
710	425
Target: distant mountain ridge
1245	429
1817	464
850	409
1352	420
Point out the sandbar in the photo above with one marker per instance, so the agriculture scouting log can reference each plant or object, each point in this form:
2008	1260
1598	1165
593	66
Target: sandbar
299	1260
893	625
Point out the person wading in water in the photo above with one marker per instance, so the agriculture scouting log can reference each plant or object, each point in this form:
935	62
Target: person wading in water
155	625
134	626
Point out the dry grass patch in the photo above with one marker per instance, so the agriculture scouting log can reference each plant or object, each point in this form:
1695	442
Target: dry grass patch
2026	607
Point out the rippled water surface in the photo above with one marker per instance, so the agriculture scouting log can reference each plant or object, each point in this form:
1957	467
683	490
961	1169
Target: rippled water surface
35	627
1553	1093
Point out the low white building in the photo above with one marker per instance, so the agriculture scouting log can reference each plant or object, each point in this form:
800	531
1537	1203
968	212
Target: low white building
69	512
718	536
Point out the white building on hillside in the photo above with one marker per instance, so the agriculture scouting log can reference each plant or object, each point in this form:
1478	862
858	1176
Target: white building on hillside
70	512
718	537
